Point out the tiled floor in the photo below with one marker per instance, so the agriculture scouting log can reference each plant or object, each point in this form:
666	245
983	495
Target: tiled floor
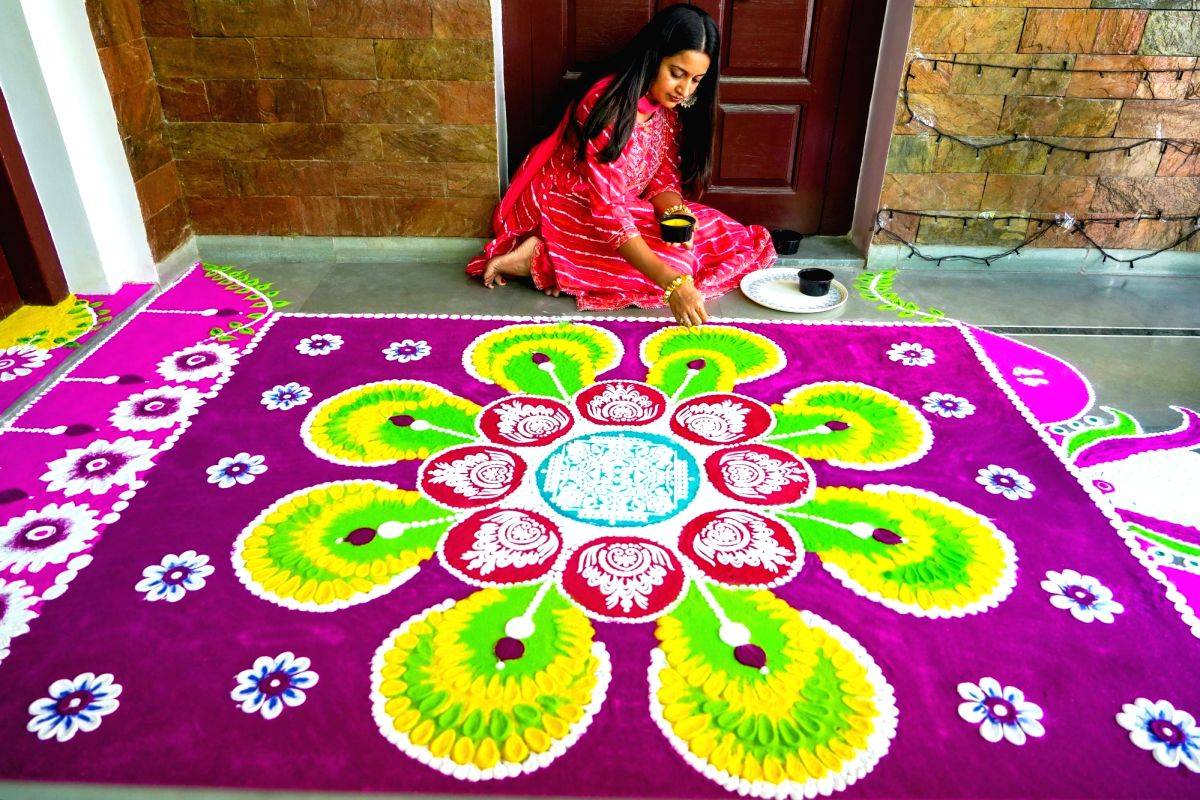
1137	338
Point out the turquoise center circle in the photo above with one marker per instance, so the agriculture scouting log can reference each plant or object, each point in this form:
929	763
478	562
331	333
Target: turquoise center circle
618	479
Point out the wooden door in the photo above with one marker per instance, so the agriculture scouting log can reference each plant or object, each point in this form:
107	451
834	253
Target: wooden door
30	271
791	112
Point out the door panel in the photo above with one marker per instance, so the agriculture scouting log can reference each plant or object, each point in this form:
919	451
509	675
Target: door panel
778	121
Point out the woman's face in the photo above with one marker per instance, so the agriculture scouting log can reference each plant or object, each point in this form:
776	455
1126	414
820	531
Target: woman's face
678	77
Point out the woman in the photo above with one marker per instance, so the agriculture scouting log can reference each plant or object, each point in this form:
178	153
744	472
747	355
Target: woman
581	215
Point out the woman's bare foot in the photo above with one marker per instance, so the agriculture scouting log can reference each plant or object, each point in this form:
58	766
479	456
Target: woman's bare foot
517	264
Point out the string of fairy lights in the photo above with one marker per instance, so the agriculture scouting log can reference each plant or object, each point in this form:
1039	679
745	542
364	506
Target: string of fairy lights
1043	224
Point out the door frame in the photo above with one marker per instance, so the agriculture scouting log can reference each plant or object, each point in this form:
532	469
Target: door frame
26	245
877	118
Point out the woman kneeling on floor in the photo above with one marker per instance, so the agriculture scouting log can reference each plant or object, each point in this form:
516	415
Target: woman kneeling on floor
582	213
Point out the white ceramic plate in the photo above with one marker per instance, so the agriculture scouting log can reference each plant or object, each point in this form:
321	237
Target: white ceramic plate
779	288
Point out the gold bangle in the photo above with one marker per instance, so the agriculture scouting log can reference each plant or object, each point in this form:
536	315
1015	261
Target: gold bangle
678	208
680	280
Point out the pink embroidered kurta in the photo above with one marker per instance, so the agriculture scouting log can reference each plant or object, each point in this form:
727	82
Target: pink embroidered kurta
583	211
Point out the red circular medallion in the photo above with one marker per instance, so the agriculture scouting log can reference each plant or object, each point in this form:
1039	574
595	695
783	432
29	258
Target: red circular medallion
741	548
623	578
716	419
760	474
504	545
621	403
524	421
471	476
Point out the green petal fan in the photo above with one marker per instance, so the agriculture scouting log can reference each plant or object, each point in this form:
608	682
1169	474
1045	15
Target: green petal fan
818	714
526	359
850	425
378	424
910	550
441	693
730	355
337	544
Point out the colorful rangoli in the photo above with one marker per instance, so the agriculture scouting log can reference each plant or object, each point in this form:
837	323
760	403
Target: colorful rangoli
596	557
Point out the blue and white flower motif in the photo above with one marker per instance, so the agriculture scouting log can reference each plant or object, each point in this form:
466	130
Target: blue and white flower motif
74	706
1000	712
285	396
273	683
1167	732
1005	481
407	350
319	344
911	354
1086	598
16	612
174	576
242	468
947	405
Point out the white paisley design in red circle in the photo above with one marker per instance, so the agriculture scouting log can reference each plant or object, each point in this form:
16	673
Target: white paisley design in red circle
623	577
716	419
741	548
501	547
621	403
471	476
525	421
760	474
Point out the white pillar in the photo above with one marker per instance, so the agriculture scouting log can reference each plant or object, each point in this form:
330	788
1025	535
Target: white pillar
63	114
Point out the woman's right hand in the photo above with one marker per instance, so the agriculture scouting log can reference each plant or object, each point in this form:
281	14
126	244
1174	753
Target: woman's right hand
687	304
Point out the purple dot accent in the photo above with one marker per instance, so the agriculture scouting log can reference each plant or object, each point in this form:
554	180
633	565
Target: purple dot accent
360	536
885	536
1166	732
78	429
227	312
402	420
539	358
750	655
508	649
697	364
12	495
128	379
836	425
66	707
1080	595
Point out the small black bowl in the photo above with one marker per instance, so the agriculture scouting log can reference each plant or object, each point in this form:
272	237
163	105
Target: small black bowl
815	281
786	241
676	228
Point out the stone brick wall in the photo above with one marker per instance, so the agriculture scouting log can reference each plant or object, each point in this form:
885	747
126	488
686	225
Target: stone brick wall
327	117
125	59
1083	110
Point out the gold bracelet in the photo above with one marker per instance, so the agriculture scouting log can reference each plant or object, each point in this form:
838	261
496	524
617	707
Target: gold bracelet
680	280
678	208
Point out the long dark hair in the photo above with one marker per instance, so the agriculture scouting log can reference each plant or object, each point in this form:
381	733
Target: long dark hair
673	30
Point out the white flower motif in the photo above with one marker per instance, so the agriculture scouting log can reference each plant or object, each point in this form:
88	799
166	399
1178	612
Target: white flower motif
198	362
947	405
285	396
99	467
1087	599
174	576
1170	734
49	535
407	350
911	354
1006	482
273	683
16	612
242	468
74	706
156	409
20	360
1000	712
319	344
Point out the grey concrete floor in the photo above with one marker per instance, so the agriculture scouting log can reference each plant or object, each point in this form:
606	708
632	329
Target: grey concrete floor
1137	338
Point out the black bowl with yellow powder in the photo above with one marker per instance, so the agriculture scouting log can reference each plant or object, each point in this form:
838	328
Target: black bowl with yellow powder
676	228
